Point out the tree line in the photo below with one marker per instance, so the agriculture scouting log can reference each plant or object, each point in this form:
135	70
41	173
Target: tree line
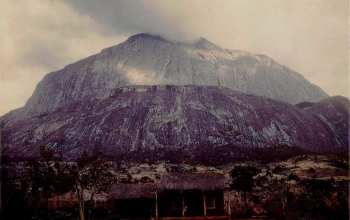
28	198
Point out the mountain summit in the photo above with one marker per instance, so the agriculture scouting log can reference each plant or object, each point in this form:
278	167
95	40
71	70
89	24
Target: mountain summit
151	60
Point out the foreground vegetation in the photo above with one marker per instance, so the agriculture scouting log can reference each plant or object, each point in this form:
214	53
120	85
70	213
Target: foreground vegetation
298	186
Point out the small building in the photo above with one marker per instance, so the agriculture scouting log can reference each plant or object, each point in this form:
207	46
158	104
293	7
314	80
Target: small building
176	195
70	200
134	200
193	195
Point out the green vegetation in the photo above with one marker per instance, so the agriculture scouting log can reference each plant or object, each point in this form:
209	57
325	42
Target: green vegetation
306	186
243	178
27	196
209	155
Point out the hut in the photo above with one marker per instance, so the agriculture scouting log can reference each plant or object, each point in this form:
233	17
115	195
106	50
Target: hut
175	195
192	194
69	201
134	200
65	201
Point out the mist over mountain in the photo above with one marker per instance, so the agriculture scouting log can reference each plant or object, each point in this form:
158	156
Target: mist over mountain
150	60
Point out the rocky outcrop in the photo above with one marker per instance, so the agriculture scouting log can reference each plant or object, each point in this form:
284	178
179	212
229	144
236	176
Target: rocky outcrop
334	112
150	117
150	60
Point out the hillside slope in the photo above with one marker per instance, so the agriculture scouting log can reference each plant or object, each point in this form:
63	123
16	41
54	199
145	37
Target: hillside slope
150	117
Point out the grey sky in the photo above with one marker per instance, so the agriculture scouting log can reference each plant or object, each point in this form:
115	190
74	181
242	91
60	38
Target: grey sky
40	36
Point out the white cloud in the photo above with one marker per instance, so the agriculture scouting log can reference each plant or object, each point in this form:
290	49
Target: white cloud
41	36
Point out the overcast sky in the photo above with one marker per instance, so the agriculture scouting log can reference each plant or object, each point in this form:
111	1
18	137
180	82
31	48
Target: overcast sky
41	36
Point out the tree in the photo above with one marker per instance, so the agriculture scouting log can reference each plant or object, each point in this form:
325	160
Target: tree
15	203
93	174
47	179
243	178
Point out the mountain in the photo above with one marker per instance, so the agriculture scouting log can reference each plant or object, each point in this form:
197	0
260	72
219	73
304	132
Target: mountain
335	113
150	60
149	93
151	117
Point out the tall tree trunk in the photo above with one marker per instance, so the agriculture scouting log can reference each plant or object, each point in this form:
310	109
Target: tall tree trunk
81	204
82	199
47	202
91	205
81	211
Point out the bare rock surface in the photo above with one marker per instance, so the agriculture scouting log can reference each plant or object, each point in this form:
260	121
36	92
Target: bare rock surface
149	117
149	93
149	60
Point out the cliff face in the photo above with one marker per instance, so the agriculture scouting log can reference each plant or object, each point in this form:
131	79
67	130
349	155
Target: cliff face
149	60
136	117
334	112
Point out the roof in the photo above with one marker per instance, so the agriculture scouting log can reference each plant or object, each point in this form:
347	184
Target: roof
133	191
72	197
171	181
187	181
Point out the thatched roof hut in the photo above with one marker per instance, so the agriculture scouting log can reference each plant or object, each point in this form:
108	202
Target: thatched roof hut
70	199
73	197
171	181
133	191
191	181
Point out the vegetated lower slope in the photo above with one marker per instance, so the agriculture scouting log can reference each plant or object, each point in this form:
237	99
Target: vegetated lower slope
135	118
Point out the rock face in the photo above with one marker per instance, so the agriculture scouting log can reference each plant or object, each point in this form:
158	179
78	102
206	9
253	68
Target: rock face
147	117
150	60
335	113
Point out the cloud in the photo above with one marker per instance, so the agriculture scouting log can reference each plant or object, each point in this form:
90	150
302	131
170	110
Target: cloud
41	36
135	16
310	37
